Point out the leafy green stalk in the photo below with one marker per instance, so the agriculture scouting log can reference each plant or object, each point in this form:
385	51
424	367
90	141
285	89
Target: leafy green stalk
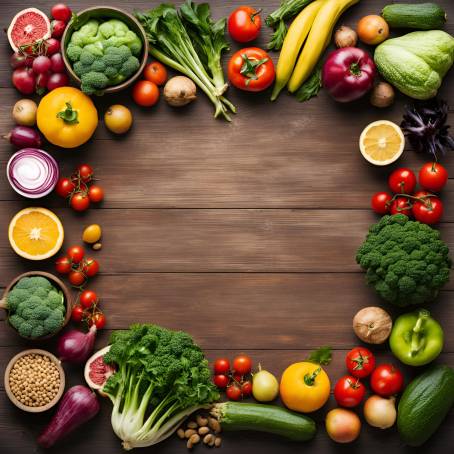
322	355
287	10
162	377
311	86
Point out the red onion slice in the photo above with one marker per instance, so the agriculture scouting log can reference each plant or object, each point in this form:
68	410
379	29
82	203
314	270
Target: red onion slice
32	172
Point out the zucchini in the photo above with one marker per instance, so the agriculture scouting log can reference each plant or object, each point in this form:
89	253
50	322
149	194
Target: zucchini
424	404
264	418
421	16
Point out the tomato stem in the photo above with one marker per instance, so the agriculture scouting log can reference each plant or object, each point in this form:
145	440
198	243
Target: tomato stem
309	379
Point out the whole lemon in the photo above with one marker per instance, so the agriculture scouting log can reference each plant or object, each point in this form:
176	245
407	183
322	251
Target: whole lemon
92	233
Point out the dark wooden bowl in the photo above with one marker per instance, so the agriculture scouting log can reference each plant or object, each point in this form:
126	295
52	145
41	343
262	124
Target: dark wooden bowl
58	283
106	12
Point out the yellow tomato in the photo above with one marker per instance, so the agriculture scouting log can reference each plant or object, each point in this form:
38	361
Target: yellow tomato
304	387
67	117
92	234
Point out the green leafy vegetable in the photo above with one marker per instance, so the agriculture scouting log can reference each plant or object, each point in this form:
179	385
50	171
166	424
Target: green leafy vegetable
277	19
322	356
191	43
162	377
311	86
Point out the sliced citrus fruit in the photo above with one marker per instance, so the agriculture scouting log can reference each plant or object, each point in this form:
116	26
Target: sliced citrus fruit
36	233
382	142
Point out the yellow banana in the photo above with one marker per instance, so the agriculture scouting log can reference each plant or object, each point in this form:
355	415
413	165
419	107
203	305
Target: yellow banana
297	33
316	42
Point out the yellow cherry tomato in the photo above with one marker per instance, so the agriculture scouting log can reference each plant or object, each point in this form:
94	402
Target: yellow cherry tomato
304	387
92	234
67	117
118	119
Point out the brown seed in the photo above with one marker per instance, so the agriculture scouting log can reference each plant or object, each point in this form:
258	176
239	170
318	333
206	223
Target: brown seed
194	439
214	425
201	421
189	433
217	442
192	425
189	444
180	433
97	246
208	439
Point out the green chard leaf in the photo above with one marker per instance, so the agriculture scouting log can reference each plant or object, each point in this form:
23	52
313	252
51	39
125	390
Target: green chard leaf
322	356
312	86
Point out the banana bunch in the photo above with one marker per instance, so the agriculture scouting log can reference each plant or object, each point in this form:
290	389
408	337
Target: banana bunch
312	27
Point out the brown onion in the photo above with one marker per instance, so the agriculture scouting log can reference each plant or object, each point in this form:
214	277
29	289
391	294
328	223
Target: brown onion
345	37
372	325
382	95
179	91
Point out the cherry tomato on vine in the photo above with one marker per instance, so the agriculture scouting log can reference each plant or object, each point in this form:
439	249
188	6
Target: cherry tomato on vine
246	388
433	176
63	265
80	201
242	364
251	69
64	187
428	211
349	391
221	366
401	205
244	24
88	298
402	181
381	202
76	253
221	380
155	72
95	193
91	267
386	380
85	172
233	392
360	362
145	93
99	320
77	313
76	278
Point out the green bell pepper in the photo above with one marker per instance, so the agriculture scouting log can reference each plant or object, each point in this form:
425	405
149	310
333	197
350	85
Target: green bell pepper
416	338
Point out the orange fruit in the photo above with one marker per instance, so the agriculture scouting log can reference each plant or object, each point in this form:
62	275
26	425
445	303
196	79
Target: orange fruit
372	29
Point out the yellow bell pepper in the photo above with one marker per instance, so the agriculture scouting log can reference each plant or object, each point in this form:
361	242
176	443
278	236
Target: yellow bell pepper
67	117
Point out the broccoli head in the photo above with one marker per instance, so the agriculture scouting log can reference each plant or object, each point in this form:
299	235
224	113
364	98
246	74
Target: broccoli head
129	67
73	52
87	57
405	261
94	81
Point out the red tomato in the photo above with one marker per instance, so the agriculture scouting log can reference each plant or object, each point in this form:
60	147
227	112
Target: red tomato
380	202
99	320
221	366
244	24
233	392
433	176
251	69
401	205
242	364
402	181
221	380
386	380
77	313
95	193
61	12
76	253
80	201
63	265
85	172
64	187
349	391
360	362
91	267
155	72
145	93
246	388
88	298
429	210
76	278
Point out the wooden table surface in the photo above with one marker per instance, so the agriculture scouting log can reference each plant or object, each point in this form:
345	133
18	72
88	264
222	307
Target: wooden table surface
242	234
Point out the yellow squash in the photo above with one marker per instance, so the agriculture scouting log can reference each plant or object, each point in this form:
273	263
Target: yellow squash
317	40
293	41
67	117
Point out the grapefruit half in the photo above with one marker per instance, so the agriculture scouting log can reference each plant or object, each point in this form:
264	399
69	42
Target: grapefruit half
96	371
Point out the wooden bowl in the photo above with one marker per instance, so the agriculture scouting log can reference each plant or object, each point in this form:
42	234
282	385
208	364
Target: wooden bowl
106	12
13	398
58	283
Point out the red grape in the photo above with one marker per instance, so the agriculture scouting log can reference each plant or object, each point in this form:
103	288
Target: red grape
57	80
58	65
41	64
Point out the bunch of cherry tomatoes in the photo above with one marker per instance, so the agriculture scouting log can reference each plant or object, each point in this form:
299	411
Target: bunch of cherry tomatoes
385	380
86	310
79	188
77	266
237	381
423	205
40	67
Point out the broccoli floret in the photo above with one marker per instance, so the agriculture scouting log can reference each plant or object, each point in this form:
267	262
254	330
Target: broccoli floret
129	67
25	329
86	57
15	321
53	322
113	27
81	69
42	312
405	261
111	72
98	66
95	48
87	34
73	52
94	81
116	56
77	39
38	331
41	292
40	282
15	297
55	299
24	283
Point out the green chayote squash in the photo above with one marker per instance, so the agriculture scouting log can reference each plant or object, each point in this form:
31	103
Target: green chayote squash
417	62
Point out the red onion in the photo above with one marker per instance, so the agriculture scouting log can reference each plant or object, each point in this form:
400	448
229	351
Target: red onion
75	346
24	136
78	405
32	172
